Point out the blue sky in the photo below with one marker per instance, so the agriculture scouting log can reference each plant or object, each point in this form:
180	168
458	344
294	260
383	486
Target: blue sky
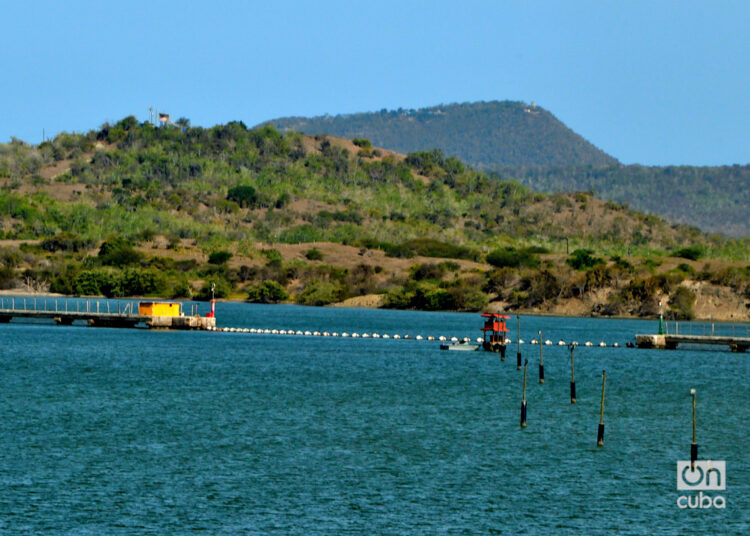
653	83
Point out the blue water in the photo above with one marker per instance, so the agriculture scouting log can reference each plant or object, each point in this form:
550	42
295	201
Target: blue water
108	431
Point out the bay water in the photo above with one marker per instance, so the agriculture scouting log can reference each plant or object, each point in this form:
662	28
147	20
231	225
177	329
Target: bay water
131	431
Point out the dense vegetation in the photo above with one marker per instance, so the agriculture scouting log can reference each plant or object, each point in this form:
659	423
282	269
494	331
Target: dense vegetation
132	209
483	134
716	199
529	144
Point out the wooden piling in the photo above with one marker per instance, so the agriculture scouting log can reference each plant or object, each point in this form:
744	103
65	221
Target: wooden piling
694	444
518	344
572	377
600	433
541	359
523	399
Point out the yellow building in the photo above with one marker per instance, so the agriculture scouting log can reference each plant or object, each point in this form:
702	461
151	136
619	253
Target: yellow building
159	309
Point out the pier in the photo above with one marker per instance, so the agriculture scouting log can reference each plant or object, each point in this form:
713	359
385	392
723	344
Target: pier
96	313
737	341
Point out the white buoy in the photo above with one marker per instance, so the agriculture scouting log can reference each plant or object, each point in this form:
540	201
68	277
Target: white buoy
441	338
508	341
365	335
355	335
326	334
479	339
574	343
430	338
386	336
615	344
602	344
407	336
307	333
534	341
418	337
345	334
588	343
521	341
454	339
548	342
561	342
334	334
245	330
316	333
376	335
397	336
298	332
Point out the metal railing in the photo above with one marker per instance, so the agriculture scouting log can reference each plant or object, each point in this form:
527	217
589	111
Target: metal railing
67	305
706	329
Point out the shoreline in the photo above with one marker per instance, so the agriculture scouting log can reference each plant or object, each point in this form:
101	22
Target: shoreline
369	302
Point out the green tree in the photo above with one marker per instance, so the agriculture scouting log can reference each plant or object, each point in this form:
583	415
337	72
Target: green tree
269	291
244	195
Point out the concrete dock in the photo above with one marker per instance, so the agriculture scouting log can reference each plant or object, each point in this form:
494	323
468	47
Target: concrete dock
670	342
96	313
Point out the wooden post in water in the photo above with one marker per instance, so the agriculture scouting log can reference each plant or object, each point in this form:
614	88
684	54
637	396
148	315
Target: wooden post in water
541	359
694	444
600	433
523	400
518	344
572	377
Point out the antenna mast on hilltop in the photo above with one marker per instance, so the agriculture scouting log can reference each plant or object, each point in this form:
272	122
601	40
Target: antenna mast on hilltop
151	114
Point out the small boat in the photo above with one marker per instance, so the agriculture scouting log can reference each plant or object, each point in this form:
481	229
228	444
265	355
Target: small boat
460	346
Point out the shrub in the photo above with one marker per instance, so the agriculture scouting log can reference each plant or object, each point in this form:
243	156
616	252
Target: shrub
581	259
65	242
219	257
681	304
244	195
118	251
221	290
362	142
268	291
692	253
420	272
182	289
318	292
510	257
313	254
467	297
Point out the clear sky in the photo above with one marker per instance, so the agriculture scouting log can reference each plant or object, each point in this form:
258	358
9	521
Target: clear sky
649	82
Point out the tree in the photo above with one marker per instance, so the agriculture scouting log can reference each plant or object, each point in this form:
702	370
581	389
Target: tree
244	195
269	291
219	257
118	251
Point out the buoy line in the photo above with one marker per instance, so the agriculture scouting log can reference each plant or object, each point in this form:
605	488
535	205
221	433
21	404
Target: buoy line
397	336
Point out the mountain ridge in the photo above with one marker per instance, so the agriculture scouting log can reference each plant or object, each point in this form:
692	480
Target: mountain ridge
512	139
509	129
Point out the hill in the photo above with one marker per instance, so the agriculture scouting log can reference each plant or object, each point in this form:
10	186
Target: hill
528	144
715	199
485	135
132	209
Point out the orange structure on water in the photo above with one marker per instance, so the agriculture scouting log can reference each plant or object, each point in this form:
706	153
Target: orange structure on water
494	332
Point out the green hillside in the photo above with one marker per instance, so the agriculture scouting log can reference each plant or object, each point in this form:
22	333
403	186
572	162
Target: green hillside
529	144
132	209
484	134
715	199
